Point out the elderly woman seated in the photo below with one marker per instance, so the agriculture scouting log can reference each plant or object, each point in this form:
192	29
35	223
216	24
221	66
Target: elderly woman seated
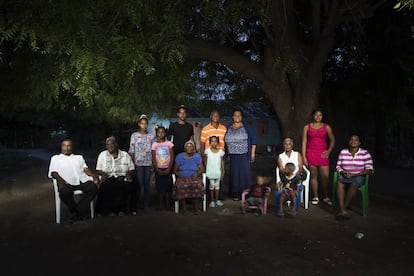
188	169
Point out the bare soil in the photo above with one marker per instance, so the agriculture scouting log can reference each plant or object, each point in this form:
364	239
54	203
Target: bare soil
219	242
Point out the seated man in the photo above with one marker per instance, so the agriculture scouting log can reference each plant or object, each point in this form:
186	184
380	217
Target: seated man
72	173
353	164
115	168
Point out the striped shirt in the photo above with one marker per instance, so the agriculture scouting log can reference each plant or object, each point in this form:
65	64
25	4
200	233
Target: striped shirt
210	130
354	164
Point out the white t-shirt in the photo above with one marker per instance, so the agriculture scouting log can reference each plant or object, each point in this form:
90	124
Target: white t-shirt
70	168
213	166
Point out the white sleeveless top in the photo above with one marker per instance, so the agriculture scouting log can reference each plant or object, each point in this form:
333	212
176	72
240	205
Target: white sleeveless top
292	159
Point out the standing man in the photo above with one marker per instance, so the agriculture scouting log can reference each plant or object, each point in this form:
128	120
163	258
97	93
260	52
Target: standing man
72	173
353	164
116	169
214	128
181	131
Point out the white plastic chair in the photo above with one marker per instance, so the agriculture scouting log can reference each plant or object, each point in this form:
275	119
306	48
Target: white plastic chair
177	203
57	200
305	184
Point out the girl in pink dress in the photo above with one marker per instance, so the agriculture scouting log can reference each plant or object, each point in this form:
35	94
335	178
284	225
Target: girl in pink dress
316	153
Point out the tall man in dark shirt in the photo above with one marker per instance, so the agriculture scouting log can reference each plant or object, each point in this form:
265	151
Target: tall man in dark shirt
181	131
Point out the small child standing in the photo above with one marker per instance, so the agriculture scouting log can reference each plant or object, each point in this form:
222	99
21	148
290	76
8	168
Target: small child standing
162	160
214	169
288	185
256	194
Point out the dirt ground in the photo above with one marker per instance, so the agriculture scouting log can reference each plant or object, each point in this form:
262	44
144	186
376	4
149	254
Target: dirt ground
219	242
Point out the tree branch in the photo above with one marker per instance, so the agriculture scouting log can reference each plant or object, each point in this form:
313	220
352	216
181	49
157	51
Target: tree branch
329	26
353	10
316	19
217	53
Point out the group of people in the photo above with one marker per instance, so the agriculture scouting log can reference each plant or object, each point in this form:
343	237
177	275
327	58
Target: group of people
353	164
121	175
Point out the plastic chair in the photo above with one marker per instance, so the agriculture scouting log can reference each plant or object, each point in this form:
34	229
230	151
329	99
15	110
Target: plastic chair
363	189
298	197
57	200
264	205
304	197
177	202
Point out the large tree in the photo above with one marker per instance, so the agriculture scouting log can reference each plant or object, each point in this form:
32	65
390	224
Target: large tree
282	46
125	56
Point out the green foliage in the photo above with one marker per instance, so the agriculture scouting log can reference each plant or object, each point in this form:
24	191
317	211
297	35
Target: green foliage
402	4
117	58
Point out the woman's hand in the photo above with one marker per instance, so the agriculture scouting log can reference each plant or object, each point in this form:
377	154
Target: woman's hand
346	174
325	154
305	161
195	176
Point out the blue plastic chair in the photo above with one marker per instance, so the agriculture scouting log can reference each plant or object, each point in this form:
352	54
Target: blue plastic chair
278	191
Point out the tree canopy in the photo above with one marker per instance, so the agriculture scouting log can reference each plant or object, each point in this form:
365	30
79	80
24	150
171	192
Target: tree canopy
114	59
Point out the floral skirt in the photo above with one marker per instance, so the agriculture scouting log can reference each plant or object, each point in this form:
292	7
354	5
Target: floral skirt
188	188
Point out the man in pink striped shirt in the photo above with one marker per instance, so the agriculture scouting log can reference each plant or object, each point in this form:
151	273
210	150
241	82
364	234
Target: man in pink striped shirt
352	165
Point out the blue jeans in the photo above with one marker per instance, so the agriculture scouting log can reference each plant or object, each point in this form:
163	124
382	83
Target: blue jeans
142	176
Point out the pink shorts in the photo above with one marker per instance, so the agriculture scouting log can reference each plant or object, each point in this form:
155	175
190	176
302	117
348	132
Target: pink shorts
315	158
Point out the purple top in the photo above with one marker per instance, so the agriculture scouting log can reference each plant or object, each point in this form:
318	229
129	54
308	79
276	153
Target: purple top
354	164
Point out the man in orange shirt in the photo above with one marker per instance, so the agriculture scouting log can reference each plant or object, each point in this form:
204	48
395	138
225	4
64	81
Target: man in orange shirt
214	128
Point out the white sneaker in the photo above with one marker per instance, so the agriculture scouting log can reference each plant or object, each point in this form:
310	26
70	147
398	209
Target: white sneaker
212	204
219	203
315	200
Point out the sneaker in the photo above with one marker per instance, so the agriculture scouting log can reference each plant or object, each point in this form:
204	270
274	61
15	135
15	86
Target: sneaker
121	214
327	200
134	213
111	214
280	214
243	211
259	212
219	203
315	200
212	204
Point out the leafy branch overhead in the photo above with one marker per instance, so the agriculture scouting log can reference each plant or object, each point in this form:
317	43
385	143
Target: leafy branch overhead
127	57
101	52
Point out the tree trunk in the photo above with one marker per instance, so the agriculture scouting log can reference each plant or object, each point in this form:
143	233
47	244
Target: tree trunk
294	112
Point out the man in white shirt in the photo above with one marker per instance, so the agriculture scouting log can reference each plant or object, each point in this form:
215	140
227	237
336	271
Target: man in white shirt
72	173
115	167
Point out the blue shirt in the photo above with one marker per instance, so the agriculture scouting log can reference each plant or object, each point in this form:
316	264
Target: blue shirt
188	166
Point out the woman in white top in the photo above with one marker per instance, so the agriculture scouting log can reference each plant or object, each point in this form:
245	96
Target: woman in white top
290	156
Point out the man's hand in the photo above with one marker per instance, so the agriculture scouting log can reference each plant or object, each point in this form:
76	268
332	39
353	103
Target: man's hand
61	183
104	177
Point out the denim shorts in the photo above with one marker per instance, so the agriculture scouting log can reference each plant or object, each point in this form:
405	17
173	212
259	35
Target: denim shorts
357	180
